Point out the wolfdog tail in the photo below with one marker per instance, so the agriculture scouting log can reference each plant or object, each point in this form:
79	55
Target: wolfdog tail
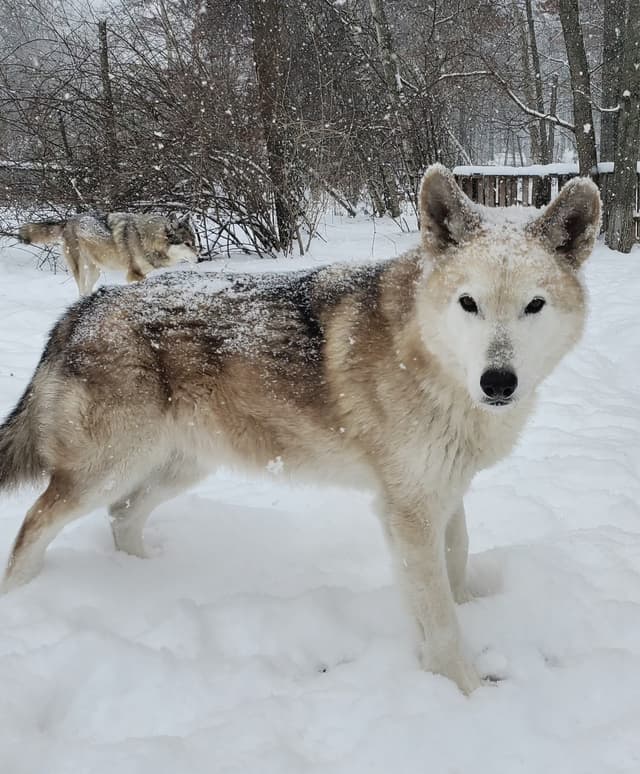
41	232
20	461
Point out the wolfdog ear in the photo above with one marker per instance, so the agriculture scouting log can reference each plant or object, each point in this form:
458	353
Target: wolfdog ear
570	224
447	216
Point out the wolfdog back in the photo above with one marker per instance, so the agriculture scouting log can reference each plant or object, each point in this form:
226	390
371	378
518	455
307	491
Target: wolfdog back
234	368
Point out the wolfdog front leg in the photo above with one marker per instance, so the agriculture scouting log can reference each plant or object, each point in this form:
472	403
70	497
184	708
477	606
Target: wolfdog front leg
457	548
417	527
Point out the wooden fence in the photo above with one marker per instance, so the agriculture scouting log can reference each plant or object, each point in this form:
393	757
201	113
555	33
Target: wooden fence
530	186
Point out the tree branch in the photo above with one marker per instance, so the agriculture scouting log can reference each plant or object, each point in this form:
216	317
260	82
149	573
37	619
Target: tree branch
529	110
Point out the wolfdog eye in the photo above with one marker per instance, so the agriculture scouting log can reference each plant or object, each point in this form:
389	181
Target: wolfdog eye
533	307
468	304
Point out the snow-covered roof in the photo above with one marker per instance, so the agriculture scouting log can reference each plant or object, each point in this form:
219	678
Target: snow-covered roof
534	170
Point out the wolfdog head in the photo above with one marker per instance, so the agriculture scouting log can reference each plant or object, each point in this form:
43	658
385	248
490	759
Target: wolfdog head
182	240
502	302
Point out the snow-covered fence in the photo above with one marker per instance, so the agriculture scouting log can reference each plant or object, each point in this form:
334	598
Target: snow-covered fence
507	186
535	185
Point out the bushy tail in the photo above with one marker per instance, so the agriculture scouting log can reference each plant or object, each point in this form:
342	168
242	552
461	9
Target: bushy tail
41	232
19	458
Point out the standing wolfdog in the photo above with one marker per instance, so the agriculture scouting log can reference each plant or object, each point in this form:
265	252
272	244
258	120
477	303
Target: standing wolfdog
135	244
407	375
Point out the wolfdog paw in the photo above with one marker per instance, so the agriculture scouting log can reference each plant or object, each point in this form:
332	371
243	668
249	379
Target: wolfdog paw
465	676
461	671
6	585
131	546
134	550
20	572
14	581
462	594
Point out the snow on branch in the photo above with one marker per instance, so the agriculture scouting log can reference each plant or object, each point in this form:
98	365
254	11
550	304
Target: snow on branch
469	74
529	110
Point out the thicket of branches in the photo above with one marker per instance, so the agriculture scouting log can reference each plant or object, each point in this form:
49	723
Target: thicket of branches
252	114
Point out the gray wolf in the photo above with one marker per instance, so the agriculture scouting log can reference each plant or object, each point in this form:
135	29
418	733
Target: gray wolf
407	376
135	244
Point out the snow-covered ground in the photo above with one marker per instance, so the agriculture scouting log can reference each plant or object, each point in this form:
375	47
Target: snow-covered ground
265	634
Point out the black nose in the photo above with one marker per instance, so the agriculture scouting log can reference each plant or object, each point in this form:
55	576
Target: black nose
498	383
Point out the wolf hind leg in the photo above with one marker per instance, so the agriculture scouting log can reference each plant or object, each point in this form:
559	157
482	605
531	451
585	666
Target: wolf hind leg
72	257
134	274
61	503
84	270
129	514
88	275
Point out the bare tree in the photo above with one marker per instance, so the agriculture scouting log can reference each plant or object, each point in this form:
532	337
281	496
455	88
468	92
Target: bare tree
270	61
395	91
620	223
545	155
108	109
580	86
614	14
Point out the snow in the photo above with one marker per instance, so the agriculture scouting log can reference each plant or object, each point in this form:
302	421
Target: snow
265	635
534	170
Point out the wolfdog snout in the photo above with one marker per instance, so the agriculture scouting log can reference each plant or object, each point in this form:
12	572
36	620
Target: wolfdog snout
498	384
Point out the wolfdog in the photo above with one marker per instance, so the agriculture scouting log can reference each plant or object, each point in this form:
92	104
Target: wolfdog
407	376
136	244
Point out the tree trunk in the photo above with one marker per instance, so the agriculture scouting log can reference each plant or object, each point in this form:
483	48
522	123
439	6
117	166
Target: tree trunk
553	107
376	199
387	54
269	60
622	201
612	51
389	192
528	78
580	86
109	114
541	187
535	58
395	89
